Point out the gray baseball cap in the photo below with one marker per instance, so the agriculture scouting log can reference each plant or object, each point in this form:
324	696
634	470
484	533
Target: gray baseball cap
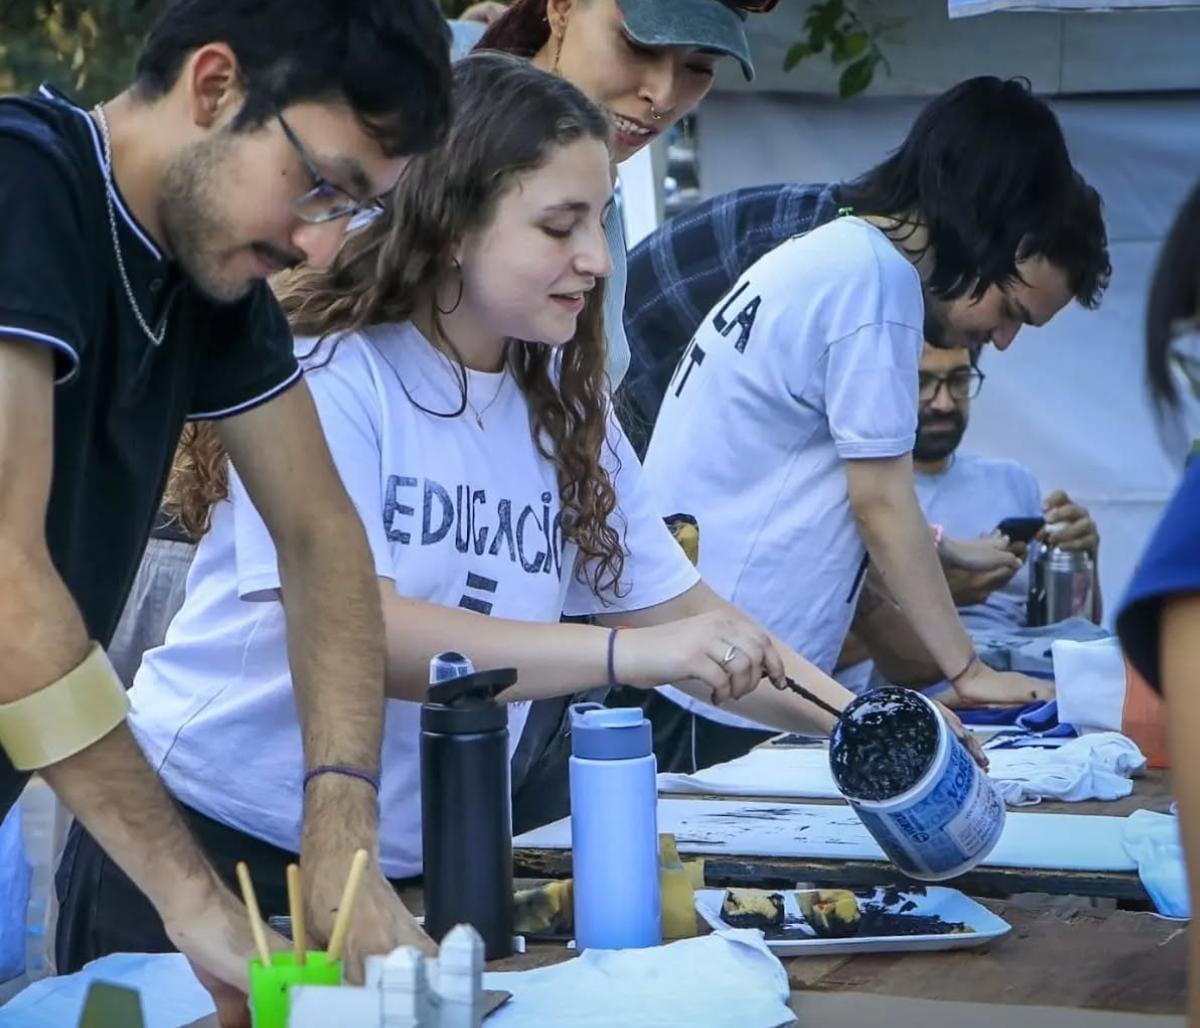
707	24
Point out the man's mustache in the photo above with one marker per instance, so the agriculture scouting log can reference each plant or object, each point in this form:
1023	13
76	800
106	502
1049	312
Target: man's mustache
937	420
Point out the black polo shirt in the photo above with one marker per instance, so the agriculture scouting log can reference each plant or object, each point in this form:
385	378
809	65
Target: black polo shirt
120	400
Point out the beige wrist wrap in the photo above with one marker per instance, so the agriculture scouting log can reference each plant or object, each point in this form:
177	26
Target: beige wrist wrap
66	716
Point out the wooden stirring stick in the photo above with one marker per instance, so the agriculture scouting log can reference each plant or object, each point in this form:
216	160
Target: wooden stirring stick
257	929
296	908
341	927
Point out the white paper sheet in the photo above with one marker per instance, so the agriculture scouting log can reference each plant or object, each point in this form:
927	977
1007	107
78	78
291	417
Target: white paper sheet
1074	842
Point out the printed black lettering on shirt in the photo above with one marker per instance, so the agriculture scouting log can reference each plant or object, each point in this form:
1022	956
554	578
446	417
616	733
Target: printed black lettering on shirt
527	535
744	319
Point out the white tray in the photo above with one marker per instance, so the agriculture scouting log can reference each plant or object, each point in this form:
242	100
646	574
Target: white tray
950	904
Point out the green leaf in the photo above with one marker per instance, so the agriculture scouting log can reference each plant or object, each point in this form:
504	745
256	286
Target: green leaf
846	48
857	76
797	53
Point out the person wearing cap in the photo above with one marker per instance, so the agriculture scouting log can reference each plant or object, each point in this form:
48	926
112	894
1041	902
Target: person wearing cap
647	63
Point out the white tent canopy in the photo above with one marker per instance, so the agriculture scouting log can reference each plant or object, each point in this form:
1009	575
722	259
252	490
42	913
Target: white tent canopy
970	8
1068	400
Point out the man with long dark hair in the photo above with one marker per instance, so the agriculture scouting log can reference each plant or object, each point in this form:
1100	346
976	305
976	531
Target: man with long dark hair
788	427
137	238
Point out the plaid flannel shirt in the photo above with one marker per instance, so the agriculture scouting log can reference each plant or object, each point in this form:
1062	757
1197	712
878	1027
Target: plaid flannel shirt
680	273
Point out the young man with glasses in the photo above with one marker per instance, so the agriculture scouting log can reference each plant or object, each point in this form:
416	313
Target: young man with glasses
788	427
969	495
137	238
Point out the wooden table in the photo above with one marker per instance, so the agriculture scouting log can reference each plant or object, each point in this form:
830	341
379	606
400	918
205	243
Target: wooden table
1082	959
1069	957
1151	792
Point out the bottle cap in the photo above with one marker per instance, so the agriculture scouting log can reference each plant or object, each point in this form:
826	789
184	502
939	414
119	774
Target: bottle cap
462	700
600	733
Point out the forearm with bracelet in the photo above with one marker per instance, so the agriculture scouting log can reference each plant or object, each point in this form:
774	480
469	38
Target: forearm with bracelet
66	716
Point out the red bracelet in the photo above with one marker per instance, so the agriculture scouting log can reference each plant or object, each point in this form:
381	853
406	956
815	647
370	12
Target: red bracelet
970	664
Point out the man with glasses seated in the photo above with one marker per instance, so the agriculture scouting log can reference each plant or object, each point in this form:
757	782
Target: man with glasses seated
969	495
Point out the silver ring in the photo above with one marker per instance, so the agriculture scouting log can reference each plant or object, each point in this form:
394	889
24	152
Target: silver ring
655	114
729	655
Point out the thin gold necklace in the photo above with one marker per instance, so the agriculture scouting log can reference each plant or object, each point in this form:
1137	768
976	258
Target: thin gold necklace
448	364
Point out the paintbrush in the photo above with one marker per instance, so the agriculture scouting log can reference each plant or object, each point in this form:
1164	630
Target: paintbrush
296	907
256	922
341	927
825	705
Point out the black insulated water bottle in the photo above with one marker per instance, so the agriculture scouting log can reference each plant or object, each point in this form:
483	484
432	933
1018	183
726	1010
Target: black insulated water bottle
466	829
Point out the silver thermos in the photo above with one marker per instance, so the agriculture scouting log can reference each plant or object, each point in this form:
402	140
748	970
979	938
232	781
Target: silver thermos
1061	585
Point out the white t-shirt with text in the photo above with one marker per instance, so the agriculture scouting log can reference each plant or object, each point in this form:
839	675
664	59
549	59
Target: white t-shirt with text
454	515
810	361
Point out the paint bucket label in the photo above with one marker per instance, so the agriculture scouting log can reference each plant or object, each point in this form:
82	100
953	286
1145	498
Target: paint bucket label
931	808
947	832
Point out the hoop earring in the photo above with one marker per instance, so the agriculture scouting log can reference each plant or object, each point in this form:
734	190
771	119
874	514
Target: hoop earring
461	285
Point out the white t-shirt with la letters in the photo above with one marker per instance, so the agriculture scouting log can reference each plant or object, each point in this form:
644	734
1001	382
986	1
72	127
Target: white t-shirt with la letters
454	514
809	362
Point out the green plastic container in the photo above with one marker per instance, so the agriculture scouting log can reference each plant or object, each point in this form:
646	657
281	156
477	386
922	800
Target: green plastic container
270	987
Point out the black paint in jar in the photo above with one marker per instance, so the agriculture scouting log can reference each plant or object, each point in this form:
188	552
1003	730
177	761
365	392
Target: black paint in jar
883	743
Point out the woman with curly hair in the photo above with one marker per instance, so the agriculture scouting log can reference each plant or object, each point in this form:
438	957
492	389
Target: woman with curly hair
455	355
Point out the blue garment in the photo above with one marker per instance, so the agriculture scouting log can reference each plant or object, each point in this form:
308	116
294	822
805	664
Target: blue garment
679	273
968	499
1170	565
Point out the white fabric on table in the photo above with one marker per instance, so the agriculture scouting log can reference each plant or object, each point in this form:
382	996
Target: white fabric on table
1092	767
728	979
1153	841
1089	683
170	993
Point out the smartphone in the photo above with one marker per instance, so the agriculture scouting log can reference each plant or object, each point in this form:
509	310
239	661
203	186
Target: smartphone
1021	530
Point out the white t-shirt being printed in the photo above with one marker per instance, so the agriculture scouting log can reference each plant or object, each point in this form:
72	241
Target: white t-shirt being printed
810	361
454	515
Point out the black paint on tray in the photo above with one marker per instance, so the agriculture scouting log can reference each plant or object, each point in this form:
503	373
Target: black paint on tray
883	743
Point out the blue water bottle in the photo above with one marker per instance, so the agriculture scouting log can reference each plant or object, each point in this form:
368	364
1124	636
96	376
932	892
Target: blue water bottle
614	829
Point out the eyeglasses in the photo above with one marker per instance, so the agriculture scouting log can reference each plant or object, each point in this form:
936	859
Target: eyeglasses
963	384
751	6
325	202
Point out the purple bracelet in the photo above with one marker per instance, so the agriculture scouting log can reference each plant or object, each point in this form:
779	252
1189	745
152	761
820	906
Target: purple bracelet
342	769
612	645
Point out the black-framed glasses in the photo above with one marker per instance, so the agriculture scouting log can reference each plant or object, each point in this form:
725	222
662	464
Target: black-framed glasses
963	384
325	202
